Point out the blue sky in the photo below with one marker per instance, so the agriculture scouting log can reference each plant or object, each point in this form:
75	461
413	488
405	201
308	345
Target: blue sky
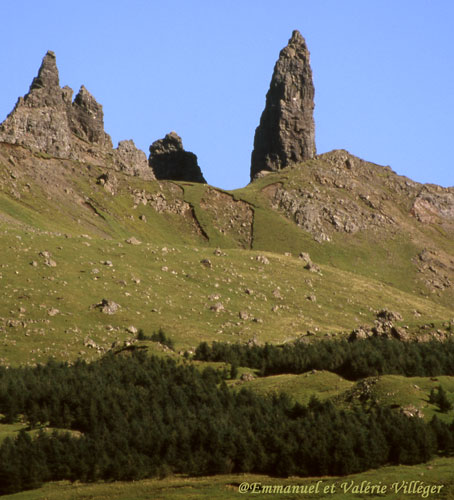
383	73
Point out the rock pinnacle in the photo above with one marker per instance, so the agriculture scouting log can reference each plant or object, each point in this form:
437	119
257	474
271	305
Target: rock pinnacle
286	133
47	74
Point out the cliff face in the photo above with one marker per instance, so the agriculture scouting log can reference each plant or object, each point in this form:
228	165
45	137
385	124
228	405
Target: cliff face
286	133
46	119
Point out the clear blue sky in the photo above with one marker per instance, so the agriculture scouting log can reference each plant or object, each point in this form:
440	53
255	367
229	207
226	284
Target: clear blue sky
383	73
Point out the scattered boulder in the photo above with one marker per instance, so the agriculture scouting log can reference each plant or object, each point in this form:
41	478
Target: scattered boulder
286	133
308	264
108	181
48	261
218	307
90	343
133	241
108	306
262	259
206	263
386	315
305	257
411	411
362	332
170	161
400	334
247	377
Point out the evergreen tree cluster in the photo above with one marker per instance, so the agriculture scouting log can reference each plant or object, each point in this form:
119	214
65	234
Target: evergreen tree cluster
142	416
351	360
440	398
159	336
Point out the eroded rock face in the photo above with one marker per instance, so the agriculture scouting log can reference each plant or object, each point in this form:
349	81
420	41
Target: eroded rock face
434	204
86	119
46	119
131	160
39	119
286	133
170	161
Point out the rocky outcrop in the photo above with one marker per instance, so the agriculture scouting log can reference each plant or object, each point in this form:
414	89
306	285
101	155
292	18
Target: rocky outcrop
170	161
86	119
286	133
46	119
39	120
131	160
434	204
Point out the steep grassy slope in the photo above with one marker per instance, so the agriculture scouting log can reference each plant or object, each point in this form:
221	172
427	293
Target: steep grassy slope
210	264
50	311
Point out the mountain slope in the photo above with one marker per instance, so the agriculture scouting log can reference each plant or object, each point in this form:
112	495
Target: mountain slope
213	264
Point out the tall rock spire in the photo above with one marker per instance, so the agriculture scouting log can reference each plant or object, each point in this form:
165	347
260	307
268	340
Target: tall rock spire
47	74
286	133
39	119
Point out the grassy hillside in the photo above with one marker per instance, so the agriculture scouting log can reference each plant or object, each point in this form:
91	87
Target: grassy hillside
48	310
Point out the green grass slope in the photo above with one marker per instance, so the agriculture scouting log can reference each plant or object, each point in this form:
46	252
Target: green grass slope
50	311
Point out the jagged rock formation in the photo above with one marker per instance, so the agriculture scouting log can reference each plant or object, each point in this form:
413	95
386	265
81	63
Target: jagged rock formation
86	119
47	120
286	133
131	160
170	161
39	119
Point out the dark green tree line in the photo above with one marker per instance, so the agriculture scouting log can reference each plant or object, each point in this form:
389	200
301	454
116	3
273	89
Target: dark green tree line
140	417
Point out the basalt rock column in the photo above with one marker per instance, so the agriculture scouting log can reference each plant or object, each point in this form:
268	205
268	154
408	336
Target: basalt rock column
286	133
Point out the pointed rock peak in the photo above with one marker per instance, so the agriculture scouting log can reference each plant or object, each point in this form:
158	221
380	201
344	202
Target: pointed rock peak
296	48
47	74
286	133
297	38
170	161
86	119
85	99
